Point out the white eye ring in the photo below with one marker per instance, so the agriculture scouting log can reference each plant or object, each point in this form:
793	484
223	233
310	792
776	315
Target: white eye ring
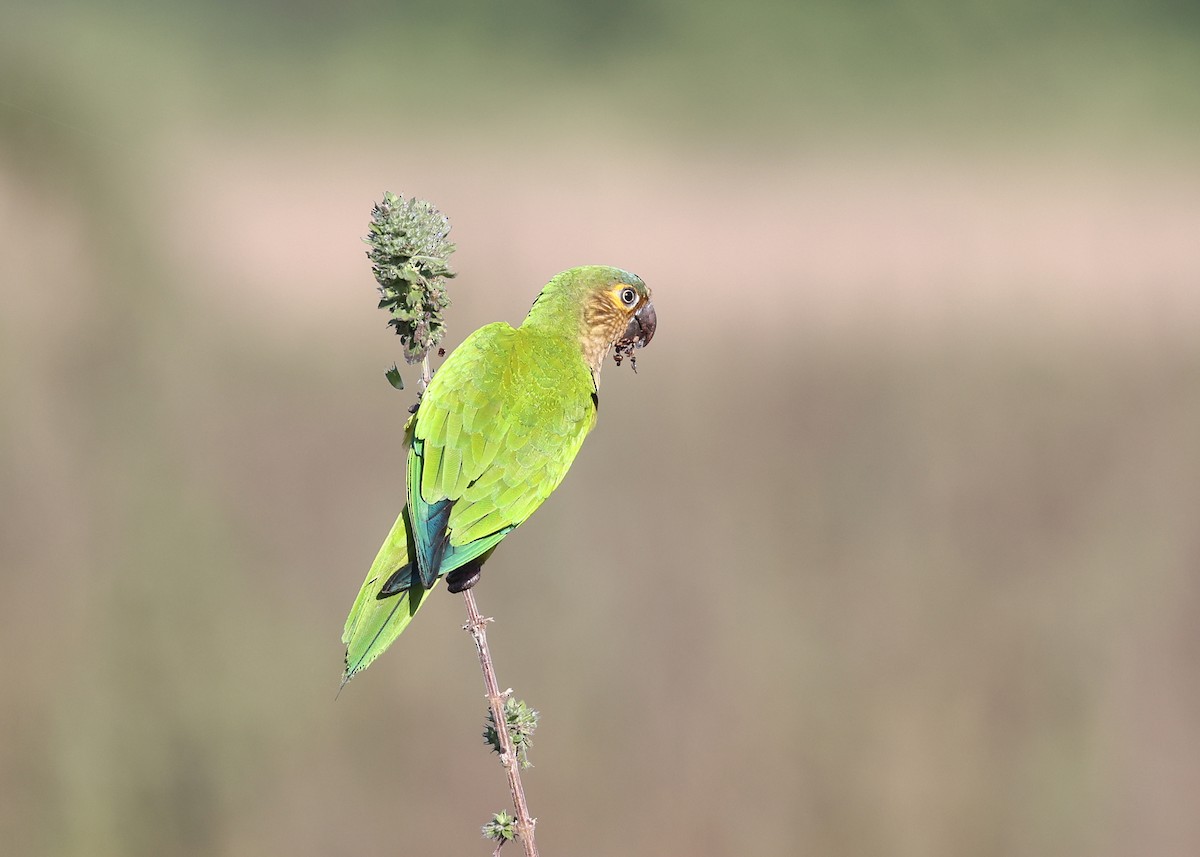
629	296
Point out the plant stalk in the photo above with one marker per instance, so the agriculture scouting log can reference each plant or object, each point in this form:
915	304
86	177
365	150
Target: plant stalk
476	624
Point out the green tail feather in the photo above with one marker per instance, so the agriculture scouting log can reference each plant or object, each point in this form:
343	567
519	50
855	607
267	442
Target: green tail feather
373	624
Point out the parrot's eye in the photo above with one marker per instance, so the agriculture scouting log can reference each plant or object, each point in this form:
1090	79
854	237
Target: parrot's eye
628	297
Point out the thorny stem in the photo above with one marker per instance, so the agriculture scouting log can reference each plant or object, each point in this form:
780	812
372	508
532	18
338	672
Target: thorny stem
426	374
476	624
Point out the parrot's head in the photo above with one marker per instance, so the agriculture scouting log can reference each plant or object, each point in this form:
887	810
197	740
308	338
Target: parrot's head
618	315
612	308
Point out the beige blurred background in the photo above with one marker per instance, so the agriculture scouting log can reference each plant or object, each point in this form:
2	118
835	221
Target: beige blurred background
891	548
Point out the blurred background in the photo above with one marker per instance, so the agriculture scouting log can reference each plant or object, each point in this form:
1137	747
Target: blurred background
891	547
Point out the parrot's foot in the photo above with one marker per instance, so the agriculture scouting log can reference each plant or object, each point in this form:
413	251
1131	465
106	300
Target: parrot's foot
462	579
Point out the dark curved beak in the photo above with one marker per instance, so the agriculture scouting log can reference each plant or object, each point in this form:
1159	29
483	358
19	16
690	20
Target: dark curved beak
640	330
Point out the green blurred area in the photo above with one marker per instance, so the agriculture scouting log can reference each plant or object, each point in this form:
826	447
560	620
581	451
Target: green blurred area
764	69
890	548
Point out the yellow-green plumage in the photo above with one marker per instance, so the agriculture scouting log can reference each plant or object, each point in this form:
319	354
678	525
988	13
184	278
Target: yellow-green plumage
495	433
374	623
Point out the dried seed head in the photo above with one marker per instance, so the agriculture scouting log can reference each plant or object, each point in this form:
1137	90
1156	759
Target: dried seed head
410	252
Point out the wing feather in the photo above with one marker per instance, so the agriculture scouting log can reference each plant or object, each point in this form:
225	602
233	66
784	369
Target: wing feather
497	430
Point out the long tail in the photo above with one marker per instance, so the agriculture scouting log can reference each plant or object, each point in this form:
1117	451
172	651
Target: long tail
376	620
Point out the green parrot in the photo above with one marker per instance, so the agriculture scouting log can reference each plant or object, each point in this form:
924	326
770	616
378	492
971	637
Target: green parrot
494	435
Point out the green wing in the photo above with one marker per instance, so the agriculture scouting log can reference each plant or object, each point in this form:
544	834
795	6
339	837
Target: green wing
375	622
496	432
